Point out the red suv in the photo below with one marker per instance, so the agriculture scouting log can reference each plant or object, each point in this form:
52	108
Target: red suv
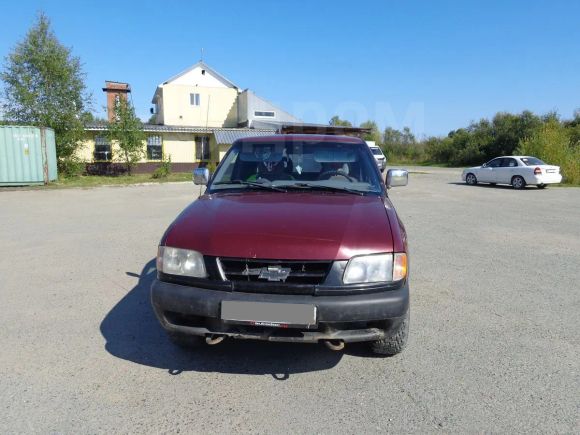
294	240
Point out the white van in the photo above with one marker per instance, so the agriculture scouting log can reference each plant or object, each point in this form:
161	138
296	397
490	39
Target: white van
378	155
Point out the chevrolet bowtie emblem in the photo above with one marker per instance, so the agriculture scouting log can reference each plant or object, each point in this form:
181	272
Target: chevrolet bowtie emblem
274	273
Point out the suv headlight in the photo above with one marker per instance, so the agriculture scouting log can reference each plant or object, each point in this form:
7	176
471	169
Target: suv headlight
376	268
183	262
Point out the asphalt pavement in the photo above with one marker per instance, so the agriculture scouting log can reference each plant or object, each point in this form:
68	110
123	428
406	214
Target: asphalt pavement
494	343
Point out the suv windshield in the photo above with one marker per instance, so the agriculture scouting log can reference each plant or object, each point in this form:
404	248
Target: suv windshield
376	151
298	165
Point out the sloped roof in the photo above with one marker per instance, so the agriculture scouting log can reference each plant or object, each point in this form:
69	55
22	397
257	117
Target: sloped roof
206	67
226	133
230	135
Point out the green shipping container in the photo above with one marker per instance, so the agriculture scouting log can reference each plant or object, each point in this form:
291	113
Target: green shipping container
27	155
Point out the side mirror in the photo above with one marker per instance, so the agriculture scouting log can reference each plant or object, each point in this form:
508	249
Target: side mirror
200	176
397	177
484	165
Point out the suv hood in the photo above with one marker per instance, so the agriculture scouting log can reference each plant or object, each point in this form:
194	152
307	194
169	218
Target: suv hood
283	226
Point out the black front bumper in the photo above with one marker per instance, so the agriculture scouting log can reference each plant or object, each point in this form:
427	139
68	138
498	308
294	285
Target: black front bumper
350	318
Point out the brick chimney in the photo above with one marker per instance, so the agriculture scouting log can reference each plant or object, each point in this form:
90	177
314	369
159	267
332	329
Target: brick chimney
115	92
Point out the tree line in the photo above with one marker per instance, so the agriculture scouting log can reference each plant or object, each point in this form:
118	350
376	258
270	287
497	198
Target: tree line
44	85
548	137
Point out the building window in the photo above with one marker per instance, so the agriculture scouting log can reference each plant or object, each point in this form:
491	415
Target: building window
154	148
194	99
264	114
102	149
202	148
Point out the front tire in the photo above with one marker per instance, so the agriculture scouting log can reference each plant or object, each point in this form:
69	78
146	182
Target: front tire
471	179
395	341
518	182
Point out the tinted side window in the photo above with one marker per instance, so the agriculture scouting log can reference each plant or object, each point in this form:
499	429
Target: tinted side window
530	161
495	163
509	163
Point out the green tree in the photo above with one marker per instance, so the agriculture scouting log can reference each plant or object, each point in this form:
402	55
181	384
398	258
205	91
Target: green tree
374	134
402	146
392	137
89	118
408	138
44	86
507	131
336	121
127	131
553	143
573	126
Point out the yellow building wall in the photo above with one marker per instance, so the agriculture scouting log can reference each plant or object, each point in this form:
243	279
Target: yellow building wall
223	149
85	152
180	146
218	106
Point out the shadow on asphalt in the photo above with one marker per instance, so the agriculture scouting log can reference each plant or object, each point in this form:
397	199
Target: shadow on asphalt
133	333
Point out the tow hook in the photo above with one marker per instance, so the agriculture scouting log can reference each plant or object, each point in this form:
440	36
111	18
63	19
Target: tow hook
214	339
334	344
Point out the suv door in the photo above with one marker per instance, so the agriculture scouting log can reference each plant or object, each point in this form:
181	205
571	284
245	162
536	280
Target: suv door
487	173
506	171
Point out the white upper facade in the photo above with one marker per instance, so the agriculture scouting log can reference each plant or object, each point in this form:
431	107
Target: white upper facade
200	96
202	75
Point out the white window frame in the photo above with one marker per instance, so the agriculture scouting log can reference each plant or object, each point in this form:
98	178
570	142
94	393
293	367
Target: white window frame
103	141
154	140
194	99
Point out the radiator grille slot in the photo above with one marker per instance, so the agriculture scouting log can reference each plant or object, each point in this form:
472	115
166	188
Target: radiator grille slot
275	271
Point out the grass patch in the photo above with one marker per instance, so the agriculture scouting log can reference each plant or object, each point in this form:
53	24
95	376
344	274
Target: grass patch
98	180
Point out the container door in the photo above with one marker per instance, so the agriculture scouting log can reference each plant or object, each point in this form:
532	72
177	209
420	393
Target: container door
21	160
51	154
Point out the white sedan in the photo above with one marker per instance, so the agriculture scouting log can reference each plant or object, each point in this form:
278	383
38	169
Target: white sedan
515	170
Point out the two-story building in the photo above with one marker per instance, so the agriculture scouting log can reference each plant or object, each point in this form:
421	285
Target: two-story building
197	115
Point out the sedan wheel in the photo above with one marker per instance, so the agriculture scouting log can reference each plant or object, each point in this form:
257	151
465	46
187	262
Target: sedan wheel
471	179
518	182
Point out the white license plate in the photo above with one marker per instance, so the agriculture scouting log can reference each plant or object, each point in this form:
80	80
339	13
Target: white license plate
269	314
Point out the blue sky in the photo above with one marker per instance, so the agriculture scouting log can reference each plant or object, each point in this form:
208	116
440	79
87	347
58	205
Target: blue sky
432	65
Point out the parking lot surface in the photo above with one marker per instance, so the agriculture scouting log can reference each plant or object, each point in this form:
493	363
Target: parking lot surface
494	344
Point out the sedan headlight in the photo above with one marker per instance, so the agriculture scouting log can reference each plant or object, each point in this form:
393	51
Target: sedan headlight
376	268
183	262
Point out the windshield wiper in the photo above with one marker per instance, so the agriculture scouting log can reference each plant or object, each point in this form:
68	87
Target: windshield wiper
324	187
251	184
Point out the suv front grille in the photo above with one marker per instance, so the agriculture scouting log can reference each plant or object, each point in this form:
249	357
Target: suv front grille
274	271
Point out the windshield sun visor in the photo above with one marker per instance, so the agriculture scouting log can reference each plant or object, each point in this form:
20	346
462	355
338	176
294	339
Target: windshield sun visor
262	152
334	155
